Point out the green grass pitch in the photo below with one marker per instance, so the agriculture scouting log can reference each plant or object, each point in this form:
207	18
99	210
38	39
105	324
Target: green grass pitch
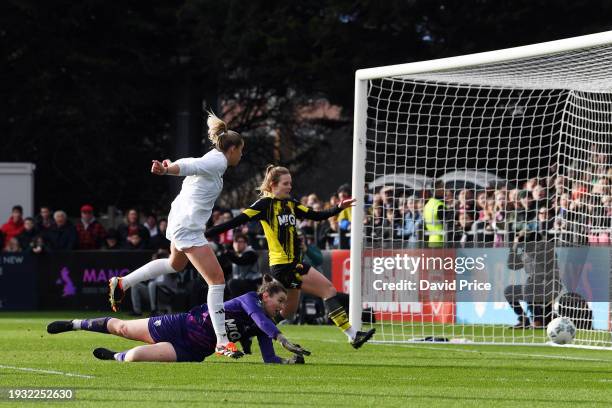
378	375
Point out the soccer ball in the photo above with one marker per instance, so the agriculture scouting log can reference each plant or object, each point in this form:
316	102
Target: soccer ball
561	330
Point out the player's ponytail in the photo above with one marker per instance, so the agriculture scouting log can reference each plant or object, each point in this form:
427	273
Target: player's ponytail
220	136
273	175
270	286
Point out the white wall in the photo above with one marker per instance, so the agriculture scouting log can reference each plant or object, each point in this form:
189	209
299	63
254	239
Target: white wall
16	188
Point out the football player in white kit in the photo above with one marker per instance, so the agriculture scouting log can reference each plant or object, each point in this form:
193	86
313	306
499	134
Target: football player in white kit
190	211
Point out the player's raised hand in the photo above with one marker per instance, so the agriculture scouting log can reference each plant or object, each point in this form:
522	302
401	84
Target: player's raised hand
158	168
349	202
293	348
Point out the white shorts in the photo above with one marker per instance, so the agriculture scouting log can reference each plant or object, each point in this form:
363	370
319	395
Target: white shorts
184	238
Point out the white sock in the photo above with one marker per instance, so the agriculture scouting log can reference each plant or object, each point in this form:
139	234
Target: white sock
76	324
216	311
351	333
151	270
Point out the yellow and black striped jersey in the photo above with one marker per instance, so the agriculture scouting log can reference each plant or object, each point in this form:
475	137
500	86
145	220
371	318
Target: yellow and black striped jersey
279	220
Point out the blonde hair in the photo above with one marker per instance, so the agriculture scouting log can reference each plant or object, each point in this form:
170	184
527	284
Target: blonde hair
273	175
220	136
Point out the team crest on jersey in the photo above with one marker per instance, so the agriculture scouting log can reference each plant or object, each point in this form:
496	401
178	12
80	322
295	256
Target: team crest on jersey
286	219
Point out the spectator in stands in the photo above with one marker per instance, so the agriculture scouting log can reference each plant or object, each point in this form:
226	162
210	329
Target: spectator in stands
246	276
12	245
226	238
333	236
312	200
151	225
14	225
465	202
111	241
214	218
483	228
481	205
499	217
63	235
29	233
91	232
132	226
463	232
387	195
333	200
391	225
545	222
435	217
344	218
134	242
526	213
539	196
374	223
44	219
38	245
411	226
559	186
159	240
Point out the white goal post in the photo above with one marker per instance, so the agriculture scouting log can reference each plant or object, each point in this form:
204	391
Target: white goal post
500	156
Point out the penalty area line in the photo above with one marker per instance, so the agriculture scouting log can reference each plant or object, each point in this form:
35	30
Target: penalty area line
53	372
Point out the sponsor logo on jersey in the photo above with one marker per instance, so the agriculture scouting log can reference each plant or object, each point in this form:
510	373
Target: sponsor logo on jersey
232	330
286	219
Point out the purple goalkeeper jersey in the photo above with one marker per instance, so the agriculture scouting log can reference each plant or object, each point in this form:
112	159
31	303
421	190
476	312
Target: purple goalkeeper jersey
244	318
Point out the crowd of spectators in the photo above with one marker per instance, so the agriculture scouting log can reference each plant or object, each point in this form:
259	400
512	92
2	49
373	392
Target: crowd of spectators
574	209
569	210
51	231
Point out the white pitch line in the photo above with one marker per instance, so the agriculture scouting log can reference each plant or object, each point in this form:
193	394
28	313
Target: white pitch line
505	353
36	370
508	353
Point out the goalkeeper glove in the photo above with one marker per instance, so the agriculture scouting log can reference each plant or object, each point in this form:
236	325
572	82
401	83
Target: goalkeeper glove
296	359
294	348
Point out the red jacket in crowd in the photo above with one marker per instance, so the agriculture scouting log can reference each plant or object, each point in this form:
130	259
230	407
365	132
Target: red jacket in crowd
92	236
12	229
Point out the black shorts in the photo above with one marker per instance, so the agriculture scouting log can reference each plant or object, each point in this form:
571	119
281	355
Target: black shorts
290	275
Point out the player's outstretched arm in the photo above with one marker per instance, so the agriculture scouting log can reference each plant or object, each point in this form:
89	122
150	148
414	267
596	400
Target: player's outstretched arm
251	213
302	211
226	226
269	356
293	348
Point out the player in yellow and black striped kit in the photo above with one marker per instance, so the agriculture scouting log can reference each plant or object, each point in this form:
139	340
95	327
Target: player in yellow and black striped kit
278	214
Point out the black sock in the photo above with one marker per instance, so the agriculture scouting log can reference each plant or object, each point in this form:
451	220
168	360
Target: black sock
336	313
96	325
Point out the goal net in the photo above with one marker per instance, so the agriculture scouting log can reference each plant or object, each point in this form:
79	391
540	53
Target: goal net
486	184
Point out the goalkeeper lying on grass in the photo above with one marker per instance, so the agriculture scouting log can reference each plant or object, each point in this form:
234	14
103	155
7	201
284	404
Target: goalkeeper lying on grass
190	336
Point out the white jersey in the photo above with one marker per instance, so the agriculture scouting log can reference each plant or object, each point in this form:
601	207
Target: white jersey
192	208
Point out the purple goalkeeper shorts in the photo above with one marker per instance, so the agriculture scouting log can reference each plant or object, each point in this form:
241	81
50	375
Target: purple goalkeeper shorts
173	329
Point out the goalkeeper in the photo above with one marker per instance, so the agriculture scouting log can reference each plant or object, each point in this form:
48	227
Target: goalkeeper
532	252
190	337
